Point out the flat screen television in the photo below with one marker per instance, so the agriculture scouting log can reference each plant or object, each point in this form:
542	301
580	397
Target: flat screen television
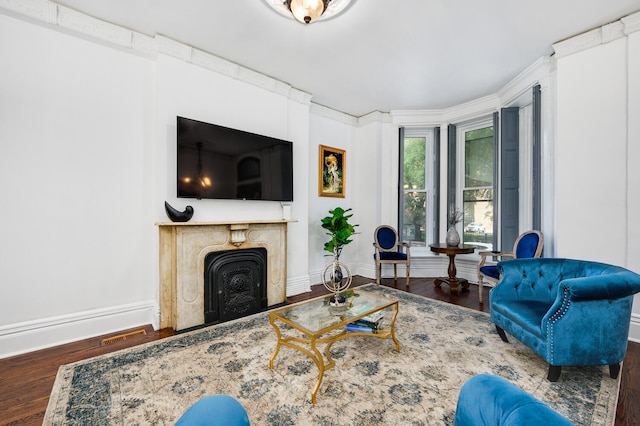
218	162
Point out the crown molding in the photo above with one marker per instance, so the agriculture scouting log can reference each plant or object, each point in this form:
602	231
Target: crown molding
333	114
375	117
65	19
631	23
417	118
74	21
462	113
597	36
472	110
40	10
537	72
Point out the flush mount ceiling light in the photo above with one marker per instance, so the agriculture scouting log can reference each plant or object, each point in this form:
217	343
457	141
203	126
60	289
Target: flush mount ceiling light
307	11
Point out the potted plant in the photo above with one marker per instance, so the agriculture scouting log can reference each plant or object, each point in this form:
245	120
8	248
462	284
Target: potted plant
340	230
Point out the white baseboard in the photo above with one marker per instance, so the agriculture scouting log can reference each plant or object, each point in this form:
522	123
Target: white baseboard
298	285
422	267
634	328
29	336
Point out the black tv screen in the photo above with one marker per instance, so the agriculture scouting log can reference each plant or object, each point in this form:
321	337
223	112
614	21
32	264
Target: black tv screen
218	162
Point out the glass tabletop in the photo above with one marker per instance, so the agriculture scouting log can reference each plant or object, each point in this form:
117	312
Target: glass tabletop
316	316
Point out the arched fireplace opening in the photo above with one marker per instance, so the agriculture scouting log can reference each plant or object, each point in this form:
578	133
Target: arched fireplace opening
235	284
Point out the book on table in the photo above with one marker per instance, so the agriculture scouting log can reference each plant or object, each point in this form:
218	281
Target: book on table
369	324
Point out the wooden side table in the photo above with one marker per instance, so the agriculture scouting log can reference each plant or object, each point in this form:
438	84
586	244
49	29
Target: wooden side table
452	251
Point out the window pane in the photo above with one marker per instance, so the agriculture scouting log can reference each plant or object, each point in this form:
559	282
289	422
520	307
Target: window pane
414	218
414	158
478	218
477	194
478	154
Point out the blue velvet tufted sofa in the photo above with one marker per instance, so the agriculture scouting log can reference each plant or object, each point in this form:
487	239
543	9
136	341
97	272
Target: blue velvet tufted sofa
570	312
488	400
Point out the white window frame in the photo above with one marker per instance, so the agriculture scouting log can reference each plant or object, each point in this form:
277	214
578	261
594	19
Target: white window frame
526	165
461	130
430	189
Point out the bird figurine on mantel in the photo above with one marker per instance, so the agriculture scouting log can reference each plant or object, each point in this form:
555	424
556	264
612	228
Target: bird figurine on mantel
178	216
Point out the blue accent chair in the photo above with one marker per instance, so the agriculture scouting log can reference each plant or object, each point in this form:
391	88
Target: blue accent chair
529	244
570	312
487	400
388	250
215	410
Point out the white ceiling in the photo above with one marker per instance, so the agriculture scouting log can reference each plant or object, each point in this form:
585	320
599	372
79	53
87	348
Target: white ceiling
379	55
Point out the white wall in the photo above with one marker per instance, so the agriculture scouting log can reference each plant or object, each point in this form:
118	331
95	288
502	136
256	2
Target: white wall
591	154
333	130
376	192
76	222
187	90
598	148
633	177
87	159
633	157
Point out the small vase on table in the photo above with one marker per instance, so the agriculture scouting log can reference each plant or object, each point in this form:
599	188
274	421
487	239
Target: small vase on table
453	238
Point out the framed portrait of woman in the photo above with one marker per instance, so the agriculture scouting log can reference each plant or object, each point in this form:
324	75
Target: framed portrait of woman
331	172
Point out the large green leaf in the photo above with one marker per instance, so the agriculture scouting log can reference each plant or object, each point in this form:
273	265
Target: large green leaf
339	229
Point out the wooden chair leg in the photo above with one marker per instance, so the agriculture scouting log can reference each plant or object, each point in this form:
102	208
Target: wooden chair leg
554	373
395	273
614	370
502	334
480	284
407	269
378	273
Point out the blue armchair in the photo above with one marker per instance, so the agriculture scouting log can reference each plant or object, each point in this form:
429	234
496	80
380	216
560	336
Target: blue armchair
528	244
570	312
487	400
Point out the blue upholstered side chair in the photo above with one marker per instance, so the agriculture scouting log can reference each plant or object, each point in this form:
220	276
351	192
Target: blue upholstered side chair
389	250
570	312
527	245
215	410
488	400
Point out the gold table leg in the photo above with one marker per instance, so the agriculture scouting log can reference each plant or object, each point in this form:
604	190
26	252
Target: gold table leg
316	355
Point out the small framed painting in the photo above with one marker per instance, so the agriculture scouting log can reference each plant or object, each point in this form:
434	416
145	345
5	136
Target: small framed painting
331	172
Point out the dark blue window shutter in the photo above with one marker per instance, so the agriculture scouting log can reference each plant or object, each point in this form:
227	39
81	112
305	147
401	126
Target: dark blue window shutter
537	158
509	177
436	182
496	177
400	180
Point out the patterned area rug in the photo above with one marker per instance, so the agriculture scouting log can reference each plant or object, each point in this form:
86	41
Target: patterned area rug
442	345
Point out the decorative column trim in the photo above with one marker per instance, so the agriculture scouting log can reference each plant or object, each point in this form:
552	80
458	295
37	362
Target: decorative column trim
631	23
597	36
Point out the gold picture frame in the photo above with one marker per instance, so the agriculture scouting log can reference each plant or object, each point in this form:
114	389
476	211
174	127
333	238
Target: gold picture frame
331	172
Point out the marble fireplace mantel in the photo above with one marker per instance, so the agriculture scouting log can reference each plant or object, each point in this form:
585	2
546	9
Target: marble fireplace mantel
183	247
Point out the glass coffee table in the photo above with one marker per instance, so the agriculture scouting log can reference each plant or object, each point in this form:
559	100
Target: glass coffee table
320	324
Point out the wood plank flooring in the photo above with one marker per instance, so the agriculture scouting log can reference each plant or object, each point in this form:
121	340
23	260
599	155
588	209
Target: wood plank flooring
26	380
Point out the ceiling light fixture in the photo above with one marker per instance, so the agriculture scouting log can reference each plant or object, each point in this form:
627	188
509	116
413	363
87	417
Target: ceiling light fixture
308	11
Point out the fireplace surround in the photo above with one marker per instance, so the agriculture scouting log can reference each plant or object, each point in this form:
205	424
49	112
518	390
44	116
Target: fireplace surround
183	249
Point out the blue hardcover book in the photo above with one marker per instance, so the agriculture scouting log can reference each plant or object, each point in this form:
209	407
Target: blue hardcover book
360	328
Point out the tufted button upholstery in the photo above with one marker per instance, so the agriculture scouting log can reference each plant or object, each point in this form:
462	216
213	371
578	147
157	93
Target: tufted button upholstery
488	400
528	245
570	312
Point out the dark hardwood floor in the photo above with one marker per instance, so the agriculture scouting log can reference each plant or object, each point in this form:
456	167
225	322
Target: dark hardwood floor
26	380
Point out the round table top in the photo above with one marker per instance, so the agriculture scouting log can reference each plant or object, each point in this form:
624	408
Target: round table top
459	249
